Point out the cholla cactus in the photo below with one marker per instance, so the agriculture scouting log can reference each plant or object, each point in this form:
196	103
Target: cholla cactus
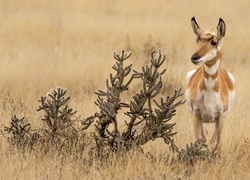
19	132
195	152
55	104
112	103
19	128
147	118
152	121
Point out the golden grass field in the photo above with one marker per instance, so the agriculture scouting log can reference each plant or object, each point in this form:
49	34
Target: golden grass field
71	43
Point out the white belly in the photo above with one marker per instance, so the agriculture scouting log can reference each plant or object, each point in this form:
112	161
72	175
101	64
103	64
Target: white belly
208	106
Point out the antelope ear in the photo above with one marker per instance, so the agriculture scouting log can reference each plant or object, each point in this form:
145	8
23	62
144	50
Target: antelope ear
221	29
196	28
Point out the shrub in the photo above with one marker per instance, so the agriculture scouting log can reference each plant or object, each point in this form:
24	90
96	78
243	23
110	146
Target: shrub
147	120
61	130
20	135
58	116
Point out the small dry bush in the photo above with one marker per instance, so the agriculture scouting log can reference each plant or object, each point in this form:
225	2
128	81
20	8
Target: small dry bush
59	133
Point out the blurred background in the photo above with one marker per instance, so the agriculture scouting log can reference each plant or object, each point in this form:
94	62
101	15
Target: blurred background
44	44
71	43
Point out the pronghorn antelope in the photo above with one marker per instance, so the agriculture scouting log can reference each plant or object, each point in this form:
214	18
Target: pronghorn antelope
210	88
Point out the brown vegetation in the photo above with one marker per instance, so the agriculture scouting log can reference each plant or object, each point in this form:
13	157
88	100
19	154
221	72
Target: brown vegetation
44	44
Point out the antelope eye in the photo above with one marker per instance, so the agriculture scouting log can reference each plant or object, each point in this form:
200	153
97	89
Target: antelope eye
213	43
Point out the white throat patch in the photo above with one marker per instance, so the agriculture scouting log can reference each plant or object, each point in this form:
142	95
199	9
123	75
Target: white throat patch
212	70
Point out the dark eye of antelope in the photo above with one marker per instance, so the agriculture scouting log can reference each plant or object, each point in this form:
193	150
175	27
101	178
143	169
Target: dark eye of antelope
213	43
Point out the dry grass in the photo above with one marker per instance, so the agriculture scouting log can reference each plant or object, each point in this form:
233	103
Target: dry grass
70	43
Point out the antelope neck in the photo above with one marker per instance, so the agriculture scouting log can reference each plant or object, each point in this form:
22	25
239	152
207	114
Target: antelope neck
210	74
210	68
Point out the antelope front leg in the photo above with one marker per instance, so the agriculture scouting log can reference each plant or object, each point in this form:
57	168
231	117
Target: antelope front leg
216	139
199	128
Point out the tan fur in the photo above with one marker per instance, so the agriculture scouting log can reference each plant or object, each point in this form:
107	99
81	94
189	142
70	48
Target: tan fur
210	89
213	61
223	85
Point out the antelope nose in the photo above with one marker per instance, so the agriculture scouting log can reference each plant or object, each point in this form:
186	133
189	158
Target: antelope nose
195	57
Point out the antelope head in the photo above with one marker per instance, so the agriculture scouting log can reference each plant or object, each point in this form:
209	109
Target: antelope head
209	43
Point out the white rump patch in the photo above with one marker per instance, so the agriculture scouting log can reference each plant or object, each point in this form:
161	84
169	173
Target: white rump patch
231	95
187	94
231	77
189	75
